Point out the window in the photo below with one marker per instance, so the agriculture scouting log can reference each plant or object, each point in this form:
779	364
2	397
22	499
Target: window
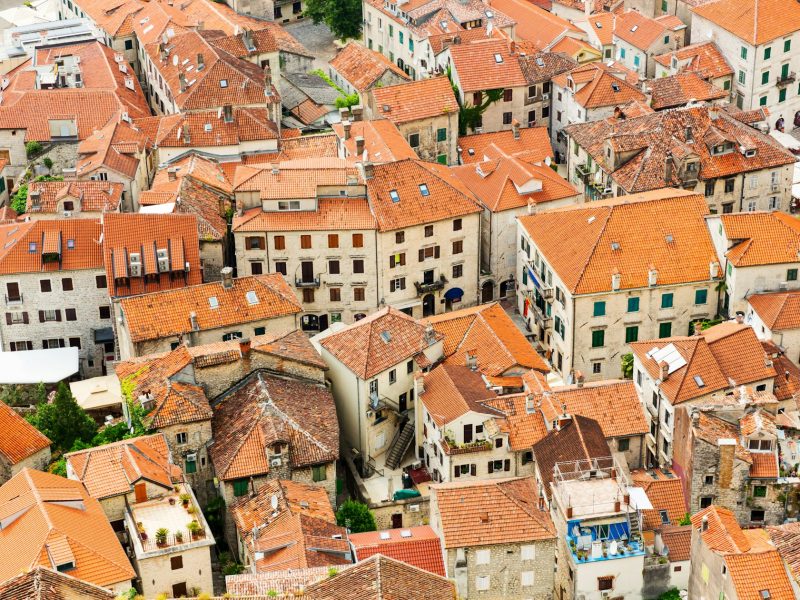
75	342
358	265
423	189
507	118
666	300
256	267
787	45
100	282
482	583
413	140
45	285
759	491
280	267
458	247
305	242
705	501
782	95
741	77
259	330
743	52
181	437
633	304
636	60
666	39
254	242
428	230
397	260
399	237
599	309
605	583
729	185
665	329
333	240
764	77
508	95
527	578
105	312
70	314
397	284
482	557
335	294
358	294
767	53
756	515
597	367
708	480
66	284
441	134
458	271
232	335
709	191
477	98
333	267
457	225
631	334
791	275
240	487
280	242
623	445
598	338
358	240
700	296
393	376
319	473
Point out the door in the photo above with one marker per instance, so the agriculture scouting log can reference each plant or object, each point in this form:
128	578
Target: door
487	291
179	590
323	322
428	306
467	433
12	291
307	271
397	520
403	402
503	289
140	490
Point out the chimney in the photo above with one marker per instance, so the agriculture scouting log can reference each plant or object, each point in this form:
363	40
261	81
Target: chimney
515	128
193	321
268	78
727	448
713	269
616	279
472	361
579	379
652	276
182	80
344	114
698	328
562	421
419	378
512	46
187	138
530	404
663	367
430	334
668	169
244	347
201	61
369	169
346	125
740	317
276	169
359	145
358	112
172	174
227	277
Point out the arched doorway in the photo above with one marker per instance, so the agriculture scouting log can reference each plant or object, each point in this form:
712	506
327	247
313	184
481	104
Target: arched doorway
487	291
505	286
428	305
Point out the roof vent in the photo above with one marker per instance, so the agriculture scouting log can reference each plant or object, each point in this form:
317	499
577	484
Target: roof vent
615	246
615	87
669	238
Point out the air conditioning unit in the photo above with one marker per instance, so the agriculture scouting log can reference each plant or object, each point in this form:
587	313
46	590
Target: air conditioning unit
413	508
546	96
136	270
191	457
163	261
275	462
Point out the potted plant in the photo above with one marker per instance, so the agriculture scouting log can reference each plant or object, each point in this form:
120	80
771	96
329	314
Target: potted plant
195	529
191	510
172	501
179	536
185	498
161	536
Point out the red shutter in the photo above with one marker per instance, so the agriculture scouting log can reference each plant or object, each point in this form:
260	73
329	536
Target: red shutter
490	466
402	258
421	255
507	465
8	318
436	252
41	316
25	318
58	315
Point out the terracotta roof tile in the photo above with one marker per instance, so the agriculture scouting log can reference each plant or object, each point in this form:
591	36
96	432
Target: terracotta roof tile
775	18
761	238
723	533
477	67
118	146
641	31
424	99
678	539
42	583
382	578
752	574
416	546
87	196
447	196
534	23
602	24
597	86
165	314
587	260
262	584
383	142
266	409
482	513
703	58
451	391
779	311
331	214
787	380
490	335
113	469
362	67
711	429
786	539
665	494
541	67
532	145
524	428
680	89
19	239
765	465
294	179
20	439
44	512
270	37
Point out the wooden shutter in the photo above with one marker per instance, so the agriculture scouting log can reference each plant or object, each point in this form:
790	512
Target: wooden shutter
490	466
507	465
25	318
41	316
391	261
61	343
421	255
436	252
58	315
402	258
473	470
8	318
457	472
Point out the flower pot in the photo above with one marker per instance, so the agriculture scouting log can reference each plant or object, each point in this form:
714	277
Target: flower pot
172	501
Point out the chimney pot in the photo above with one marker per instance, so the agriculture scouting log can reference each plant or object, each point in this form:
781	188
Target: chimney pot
359	145
346	125
227	277
740	317
664	368
515	128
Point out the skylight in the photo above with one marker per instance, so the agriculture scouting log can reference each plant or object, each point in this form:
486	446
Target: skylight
386	336
406	533
213	302
385	535
70	244
251	297
615	87
615	246
699	381
598	24
540	61
498	59
669	238
423	189
634	28
223	83
394	195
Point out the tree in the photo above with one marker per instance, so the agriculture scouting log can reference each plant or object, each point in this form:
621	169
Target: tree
19	201
64	421
627	365
343	17
356	517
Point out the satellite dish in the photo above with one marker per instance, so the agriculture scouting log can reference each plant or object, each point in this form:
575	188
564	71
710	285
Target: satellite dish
274	501
548	161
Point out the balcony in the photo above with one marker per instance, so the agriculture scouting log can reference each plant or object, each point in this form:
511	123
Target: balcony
545	290
583	172
541	317
450	448
13	300
783	81
602	542
306	283
424	287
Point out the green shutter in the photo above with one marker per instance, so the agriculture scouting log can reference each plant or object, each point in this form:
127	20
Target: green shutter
700	296
767	53
598	338
441	134
191	466
782	95
599	308
666	300
240	487
791	275
765	77
665	329
631	334
633	304
787	45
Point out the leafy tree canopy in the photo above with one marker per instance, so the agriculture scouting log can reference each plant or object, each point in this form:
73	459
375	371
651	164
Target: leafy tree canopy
356	517
64	421
343	17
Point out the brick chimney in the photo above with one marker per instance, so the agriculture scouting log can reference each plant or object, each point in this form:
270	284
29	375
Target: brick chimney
579	379
515	128
359	145
346	125
727	449
664	370
227	277
244	347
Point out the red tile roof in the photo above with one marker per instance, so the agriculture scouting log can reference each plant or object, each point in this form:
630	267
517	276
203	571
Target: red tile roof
452	391
117	146
665	493
761	238
534	23
678	539
165	314
596	85
703	58
20	439
483	513
383	142
787	540
775	19
477	68
532	145
753	574
49	521
416	546
680	89
331	214
722	533
362	67
87	196
22	246
641	31
416	100
42	583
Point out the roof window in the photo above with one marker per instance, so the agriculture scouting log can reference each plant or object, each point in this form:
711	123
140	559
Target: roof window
423	189
223	83
669	238
70	244
213	302
699	381
32	247
394	195
251	297
634	28
386	336
615	246
598	24
498	59
615	87
385	535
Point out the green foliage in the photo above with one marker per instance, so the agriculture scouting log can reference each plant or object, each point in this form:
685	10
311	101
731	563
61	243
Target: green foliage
343	17
23	395
470	115
63	421
686	519
59	467
332	571
19	201
47	162
32	148
347	101
672	594
161	535
356	517
49	177
627	365
322	75
229	566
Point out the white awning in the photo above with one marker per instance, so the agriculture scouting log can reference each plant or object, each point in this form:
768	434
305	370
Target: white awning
407	304
639	499
38	366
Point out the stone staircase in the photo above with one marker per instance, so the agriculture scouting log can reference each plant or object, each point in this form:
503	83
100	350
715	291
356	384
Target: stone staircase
400	444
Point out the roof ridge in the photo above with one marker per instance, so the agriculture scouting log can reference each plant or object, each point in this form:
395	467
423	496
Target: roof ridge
594	248
72	539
